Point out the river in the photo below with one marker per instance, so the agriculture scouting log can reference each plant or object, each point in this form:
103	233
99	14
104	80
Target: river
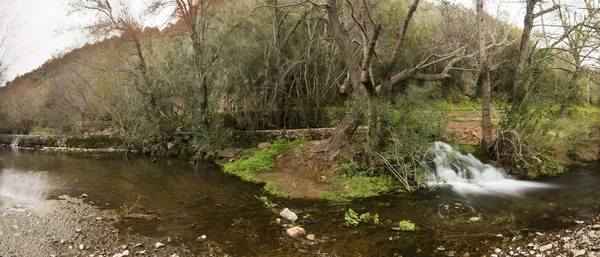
191	200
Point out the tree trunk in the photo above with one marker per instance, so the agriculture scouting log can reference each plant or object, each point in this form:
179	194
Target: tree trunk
279	80
564	106
518	84
486	124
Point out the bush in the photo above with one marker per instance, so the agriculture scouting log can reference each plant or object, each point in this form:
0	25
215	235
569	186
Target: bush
411	131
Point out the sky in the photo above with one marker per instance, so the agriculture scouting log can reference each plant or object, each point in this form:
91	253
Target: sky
42	29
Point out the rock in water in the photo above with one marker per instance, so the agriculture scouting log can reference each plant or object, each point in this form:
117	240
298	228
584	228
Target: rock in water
295	232
289	215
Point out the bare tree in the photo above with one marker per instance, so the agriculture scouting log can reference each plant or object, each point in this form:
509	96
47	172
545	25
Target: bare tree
578	44
525	48
196	15
359	33
484	73
117	17
6	28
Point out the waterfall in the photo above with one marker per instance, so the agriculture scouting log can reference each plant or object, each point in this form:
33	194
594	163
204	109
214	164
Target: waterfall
14	144
465	174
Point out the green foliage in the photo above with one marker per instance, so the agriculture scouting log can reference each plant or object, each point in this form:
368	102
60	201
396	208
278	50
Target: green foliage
353	219
261	161
411	131
406	225
267	202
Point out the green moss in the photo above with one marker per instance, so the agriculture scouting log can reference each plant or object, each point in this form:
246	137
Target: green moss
271	188
406	225
360	186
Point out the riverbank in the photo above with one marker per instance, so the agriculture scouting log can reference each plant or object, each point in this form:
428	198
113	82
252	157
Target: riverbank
69	226
582	240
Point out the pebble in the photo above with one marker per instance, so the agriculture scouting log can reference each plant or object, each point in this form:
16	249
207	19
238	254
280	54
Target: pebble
201	238
546	247
81	247
158	245
310	236
441	248
289	215
125	253
596	226
578	253
295	232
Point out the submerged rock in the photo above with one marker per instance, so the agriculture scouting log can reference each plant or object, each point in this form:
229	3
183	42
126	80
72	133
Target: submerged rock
289	215
295	232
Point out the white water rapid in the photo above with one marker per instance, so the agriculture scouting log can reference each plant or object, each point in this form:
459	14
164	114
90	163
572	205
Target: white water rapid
466	174
14	144
22	187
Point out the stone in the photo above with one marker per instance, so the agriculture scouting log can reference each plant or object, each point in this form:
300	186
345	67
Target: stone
289	215
596	226
310	236
81	247
142	252
264	145
441	248
125	253
578	253
227	153
295	232
158	245
201	238
497	250
475	219
546	247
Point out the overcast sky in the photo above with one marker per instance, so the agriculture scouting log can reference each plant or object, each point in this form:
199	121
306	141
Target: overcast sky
40	30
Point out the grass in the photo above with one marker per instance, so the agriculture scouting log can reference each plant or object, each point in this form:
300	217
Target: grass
261	161
360	186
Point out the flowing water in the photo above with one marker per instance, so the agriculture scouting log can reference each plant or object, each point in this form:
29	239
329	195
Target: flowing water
467	175
194	200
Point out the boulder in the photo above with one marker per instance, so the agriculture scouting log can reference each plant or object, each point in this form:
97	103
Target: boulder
289	215
295	232
264	145
227	153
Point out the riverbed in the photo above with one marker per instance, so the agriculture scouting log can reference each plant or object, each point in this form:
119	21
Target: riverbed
191	206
